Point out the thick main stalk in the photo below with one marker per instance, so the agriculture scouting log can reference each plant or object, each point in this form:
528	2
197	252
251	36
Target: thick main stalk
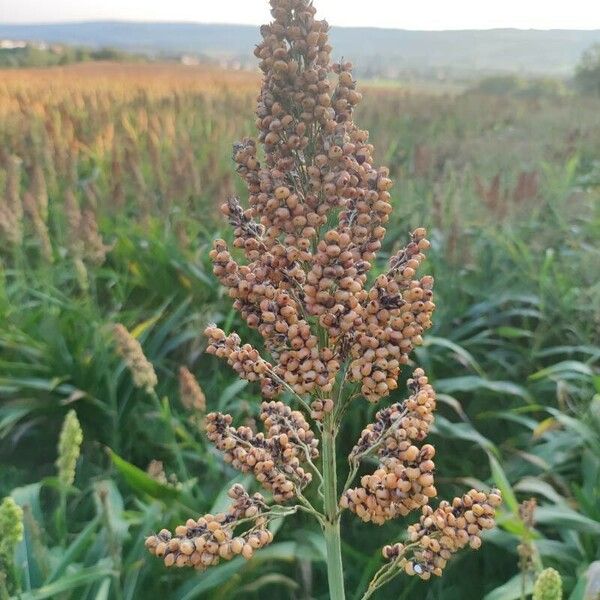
331	529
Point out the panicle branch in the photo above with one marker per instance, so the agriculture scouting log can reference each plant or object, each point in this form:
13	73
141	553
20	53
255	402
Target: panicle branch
204	542
404	479
275	457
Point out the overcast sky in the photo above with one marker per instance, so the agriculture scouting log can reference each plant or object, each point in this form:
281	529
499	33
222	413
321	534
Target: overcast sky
422	14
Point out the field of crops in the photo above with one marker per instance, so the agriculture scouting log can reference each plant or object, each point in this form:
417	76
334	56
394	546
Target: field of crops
111	177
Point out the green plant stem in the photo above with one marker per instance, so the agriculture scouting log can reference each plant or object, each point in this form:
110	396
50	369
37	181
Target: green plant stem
60	516
331	528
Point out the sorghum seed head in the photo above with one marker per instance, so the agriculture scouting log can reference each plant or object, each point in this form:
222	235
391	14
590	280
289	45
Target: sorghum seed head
548	585
130	350
191	394
69	445
299	266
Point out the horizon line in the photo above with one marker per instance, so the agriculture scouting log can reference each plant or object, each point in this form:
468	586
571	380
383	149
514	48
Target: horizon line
232	24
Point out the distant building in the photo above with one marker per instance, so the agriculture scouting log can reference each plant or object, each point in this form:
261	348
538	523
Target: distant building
17	44
190	60
12	44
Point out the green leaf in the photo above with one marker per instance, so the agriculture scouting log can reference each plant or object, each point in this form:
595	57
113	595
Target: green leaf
270	579
472	383
140	481
566	370
561	517
511	590
462	431
77	547
68	582
230	392
109	503
584	433
501	480
465	357
139	329
592	581
209	580
509	332
103	590
533	485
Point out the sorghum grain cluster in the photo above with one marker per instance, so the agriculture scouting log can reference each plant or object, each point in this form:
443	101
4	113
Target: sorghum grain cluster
275	457
204	542
450	527
190	393
69	448
404	479
548	586
302	265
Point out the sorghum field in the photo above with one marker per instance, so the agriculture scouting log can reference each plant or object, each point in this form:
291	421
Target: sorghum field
111	178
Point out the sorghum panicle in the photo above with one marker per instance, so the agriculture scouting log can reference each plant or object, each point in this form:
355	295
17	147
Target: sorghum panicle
304	265
39	226
130	350
11	528
11	207
73	217
191	394
11	533
95	249
526	550
404	479
39	190
548	586
69	447
298	273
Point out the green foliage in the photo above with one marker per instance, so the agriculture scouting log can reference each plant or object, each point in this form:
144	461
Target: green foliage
32	55
514	354
587	74
503	85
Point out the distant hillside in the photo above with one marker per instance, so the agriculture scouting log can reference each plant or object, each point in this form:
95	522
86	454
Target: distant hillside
376	52
40	54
